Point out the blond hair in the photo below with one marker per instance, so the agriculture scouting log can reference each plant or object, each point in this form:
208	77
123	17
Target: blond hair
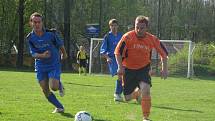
112	21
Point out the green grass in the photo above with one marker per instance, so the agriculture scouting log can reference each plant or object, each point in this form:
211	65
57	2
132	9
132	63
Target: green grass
174	99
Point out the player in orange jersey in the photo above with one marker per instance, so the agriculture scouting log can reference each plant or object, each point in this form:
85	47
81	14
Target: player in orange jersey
133	55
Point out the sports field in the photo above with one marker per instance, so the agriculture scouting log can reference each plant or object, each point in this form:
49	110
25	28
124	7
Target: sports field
174	99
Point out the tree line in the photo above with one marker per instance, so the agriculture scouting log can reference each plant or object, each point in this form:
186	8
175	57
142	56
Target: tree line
169	19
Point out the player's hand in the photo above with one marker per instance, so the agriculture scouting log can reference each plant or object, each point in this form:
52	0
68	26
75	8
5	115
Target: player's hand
164	73
46	54
120	73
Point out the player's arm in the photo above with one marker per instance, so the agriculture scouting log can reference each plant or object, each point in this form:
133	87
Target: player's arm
34	53
164	68
164	58
60	45
104	49
119	54
43	55
78	57
63	52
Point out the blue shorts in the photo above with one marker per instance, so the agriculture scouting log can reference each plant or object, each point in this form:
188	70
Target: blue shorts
45	75
113	66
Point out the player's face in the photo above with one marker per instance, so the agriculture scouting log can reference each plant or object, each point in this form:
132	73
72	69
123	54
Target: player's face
114	27
37	23
140	28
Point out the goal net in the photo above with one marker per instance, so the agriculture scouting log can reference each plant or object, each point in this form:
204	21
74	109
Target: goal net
180	60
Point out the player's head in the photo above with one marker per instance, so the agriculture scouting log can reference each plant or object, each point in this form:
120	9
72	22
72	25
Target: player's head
36	21
141	25
113	24
81	48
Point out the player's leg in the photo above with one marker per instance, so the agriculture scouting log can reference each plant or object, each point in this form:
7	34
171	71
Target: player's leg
55	82
79	70
130	84
145	85
44	84
80	67
146	99
118	84
84	66
118	90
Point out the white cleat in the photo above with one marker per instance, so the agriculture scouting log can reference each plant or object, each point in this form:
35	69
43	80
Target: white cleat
117	97
58	110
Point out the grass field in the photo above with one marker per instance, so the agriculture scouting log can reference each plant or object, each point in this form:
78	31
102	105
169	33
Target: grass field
174	99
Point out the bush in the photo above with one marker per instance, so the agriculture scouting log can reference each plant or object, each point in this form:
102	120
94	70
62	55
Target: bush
204	70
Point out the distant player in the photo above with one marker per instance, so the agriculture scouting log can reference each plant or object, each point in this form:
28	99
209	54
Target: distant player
107	50
48	50
133	55
82	60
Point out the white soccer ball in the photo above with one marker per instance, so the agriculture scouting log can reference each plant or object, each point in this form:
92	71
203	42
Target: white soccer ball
83	116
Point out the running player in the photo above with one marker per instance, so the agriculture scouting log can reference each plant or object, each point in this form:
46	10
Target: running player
108	46
133	55
48	50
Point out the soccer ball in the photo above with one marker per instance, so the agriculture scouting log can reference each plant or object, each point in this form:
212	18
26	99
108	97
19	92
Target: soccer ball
83	116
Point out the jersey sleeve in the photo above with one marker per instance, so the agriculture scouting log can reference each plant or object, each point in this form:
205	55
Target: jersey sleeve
57	40
104	46
31	48
160	48
121	47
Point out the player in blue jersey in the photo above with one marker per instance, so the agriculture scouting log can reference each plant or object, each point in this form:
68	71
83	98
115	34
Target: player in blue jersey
48	50
108	46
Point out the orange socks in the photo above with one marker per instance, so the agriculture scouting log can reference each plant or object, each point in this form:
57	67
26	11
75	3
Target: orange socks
146	106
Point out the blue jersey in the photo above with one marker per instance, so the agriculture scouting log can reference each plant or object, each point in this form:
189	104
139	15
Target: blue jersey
49	41
109	43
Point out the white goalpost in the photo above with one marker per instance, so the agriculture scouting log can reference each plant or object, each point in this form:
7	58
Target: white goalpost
180	58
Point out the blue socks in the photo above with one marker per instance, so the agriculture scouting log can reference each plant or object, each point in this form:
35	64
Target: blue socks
118	89
53	100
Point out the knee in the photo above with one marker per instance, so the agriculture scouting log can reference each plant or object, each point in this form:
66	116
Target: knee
54	84
145	92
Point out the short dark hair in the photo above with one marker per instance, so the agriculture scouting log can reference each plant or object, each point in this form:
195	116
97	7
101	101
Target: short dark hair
112	21
142	19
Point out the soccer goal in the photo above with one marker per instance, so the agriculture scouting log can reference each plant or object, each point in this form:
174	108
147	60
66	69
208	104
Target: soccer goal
180	60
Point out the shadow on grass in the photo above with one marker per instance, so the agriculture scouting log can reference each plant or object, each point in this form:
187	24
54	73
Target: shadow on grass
171	108
17	69
68	115
84	84
100	120
0	113
209	78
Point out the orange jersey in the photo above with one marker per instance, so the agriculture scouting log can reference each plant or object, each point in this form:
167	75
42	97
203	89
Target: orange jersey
136	52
